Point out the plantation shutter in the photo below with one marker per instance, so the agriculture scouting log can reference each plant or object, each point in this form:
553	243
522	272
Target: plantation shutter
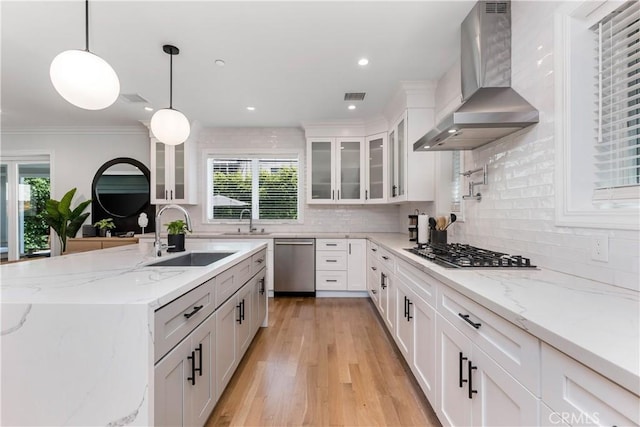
278	189
232	187
617	148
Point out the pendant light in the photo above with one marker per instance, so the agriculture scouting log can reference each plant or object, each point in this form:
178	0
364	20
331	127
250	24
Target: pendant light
84	79
169	125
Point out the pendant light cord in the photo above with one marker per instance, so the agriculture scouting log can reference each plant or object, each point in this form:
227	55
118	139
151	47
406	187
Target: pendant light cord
171	81
86	23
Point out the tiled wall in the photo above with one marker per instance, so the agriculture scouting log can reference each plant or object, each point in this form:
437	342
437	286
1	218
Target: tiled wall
316	218
517	210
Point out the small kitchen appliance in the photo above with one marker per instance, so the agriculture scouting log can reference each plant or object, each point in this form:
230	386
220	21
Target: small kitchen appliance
458	255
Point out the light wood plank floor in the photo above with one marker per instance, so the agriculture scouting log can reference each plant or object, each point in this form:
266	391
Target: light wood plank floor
322	362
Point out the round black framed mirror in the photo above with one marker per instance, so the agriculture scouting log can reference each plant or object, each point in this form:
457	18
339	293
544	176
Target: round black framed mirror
121	190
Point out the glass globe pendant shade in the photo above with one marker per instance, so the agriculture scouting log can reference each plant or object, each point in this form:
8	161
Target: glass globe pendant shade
170	126
84	79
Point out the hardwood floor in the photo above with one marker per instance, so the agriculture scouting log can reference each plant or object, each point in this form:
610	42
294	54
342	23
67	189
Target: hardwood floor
322	362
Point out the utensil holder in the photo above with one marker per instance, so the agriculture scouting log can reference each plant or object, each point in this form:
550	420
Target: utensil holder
438	237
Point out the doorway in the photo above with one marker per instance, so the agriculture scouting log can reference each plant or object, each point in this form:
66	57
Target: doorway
25	187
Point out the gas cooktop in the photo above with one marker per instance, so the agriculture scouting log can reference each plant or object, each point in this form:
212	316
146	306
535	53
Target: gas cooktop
457	255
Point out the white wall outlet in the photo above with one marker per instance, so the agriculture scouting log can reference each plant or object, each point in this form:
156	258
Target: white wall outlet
600	248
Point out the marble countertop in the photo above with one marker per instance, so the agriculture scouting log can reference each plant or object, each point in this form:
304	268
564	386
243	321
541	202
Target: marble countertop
117	275
595	323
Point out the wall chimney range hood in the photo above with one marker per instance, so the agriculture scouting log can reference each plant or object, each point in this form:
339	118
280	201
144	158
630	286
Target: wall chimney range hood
490	108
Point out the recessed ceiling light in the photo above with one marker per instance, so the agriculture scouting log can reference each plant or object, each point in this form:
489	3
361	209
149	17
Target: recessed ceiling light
148	109
363	62
251	108
351	107
453	130
220	62
426	147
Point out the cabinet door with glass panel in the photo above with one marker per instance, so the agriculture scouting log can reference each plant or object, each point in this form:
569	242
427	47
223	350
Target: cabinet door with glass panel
172	173
398	160
335	170
376	168
350	170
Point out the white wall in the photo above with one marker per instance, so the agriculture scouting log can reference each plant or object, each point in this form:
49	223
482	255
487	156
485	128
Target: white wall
77	156
517	210
316	218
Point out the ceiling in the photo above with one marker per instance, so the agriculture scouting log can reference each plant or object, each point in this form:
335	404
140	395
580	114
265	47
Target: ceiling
292	61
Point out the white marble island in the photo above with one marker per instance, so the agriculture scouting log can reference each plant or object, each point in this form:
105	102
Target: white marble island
77	332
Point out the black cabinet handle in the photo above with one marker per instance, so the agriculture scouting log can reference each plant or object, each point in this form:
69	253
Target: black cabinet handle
239	319
366	194
471	390
171	192
332	193
373	291
383	278
331	280
469	321
192	378
166	194
262	286
331	244
374	249
349	248
260	261
331	260
195	310
409	316
405	307
374	268
242	310
199	350
386	258
338	194
393	191
461	360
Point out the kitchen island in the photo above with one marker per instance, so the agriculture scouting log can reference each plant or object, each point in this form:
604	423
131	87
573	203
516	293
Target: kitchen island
77	332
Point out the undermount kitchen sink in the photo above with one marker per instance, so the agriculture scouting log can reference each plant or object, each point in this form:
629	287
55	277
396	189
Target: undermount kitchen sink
192	259
245	233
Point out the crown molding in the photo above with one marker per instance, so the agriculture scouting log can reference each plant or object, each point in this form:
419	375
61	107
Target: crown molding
75	130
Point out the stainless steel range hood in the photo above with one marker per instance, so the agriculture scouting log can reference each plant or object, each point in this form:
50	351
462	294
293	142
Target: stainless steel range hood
491	109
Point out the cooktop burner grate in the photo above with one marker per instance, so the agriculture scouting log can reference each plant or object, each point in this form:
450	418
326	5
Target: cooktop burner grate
458	255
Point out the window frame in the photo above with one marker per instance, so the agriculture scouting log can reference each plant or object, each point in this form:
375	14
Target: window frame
574	160
246	154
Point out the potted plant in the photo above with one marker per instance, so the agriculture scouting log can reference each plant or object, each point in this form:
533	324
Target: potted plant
176	231
104	225
62	219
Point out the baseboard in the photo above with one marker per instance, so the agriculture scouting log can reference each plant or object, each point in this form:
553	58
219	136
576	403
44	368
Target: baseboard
342	294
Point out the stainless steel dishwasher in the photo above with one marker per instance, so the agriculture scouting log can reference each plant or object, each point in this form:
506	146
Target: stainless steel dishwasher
294	271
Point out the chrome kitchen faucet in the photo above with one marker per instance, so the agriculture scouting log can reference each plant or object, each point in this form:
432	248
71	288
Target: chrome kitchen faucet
158	246
251	229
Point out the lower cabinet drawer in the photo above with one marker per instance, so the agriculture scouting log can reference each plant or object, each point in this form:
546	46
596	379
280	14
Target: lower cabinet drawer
258	261
331	280
515	350
331	244
177	319
328	260
580	396
229	281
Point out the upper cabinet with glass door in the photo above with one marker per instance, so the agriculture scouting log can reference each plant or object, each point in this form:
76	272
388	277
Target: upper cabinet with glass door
411	175
376	168
335	170
173	173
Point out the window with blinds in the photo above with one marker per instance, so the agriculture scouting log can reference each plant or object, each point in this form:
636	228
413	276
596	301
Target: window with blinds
617	148
266	187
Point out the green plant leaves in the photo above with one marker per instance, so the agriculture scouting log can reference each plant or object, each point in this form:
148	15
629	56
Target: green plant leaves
64	221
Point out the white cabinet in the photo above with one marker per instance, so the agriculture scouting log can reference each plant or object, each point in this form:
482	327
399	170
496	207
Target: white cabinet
340	265
227	356
173	173
244	326
580	396
376	174
335	170
411	175
415	336
473	389
259	301
373	286
184	390
356	265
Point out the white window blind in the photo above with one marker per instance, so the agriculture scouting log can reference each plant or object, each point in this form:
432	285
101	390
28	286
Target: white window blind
617	148
267	187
